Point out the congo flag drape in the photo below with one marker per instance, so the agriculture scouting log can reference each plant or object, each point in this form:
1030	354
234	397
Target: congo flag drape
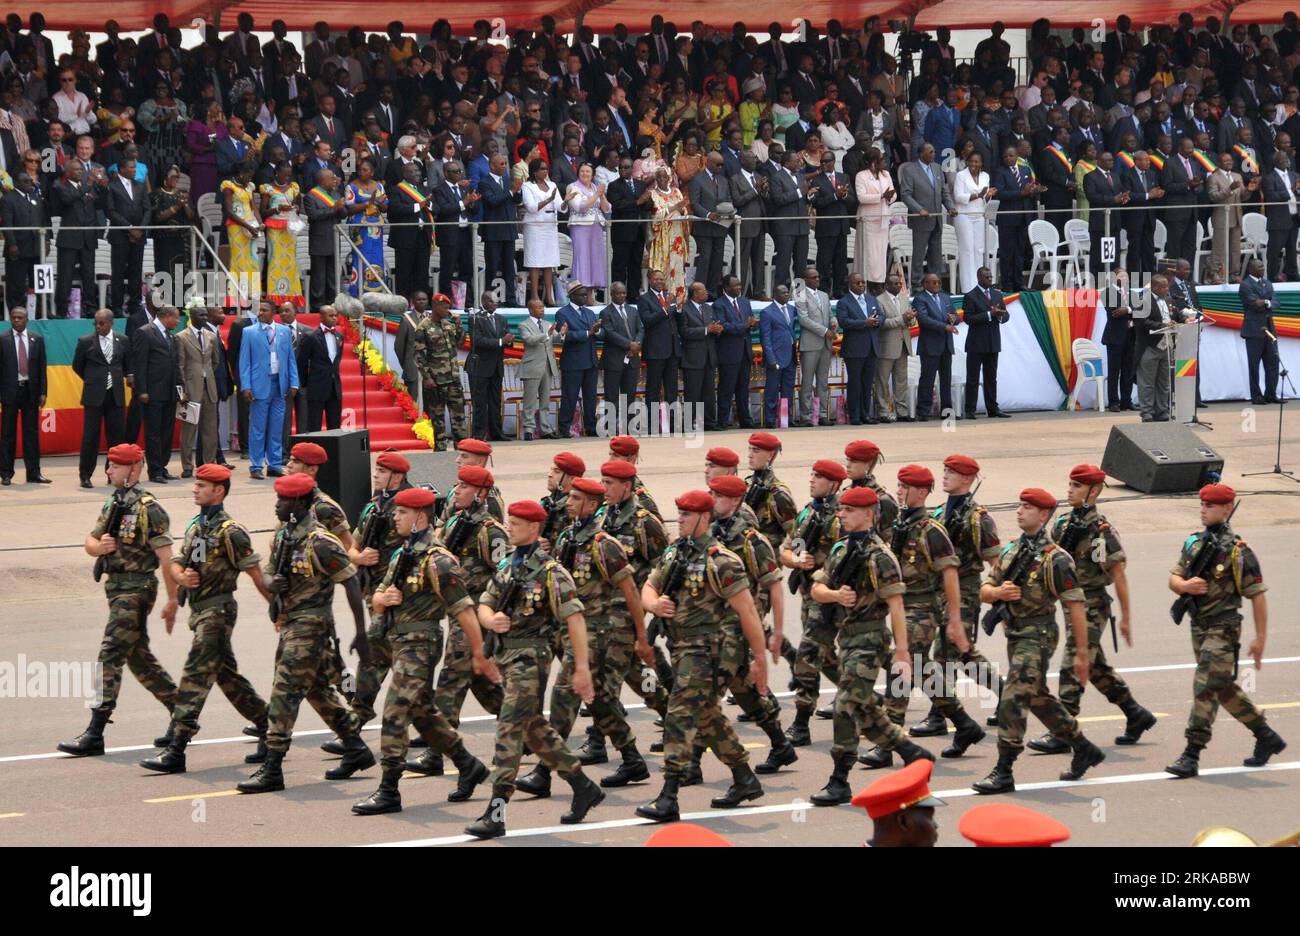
1057	318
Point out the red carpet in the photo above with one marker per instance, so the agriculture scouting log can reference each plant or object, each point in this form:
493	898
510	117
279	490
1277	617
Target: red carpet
380	413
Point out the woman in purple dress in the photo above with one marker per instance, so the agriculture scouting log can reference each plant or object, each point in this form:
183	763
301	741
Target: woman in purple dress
201	137
587	208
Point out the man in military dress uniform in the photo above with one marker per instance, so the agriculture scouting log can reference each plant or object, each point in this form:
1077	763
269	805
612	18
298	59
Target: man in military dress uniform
860	460
627	448
529	596
437	340
306	563
565	467
132	549
423	582
857	589
771	500
1099	561
1029	590
306	458
1231	573
215	551
692	586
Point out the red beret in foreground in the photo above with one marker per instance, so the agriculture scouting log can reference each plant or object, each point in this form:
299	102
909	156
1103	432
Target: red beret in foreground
393	462
859	497
214	473
962	464
624	445
298	485
916	476
474	447
1009	825
729	486
623	471
696	502
589	486
476	475
126	454
570	464
417	498
1087	474
722	456
899	790
686	835
1218	494
831	470
1038	498
309	453
765	441
528	510
862	450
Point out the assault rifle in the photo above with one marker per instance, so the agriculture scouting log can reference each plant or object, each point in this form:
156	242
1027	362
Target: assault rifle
402	569
280	568
850	568
674	579
374	536
556	516
192	562
112	528
757	492
1000	612
810	531
506	606
1206	550
461	533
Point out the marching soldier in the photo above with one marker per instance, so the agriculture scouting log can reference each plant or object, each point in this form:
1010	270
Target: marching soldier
1215	570
626	448
131	538
306	458
805	549
306	562
437	340
1099	561
691	588
423	582
476	453
1028	579
860	460
770	499
615	620
862	577
529	596
929	564
720	461
215	551
564	468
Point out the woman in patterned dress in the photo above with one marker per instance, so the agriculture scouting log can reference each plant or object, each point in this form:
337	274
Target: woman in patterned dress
367	202
243	224
279	205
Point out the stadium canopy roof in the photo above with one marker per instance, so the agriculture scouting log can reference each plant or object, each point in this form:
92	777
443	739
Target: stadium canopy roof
601	15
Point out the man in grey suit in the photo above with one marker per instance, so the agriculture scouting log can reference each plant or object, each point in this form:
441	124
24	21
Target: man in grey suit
404	343
747	188
700	358
788	198
816	333
620	324
537	372
707	190
321	236
923	189
894	345
196	352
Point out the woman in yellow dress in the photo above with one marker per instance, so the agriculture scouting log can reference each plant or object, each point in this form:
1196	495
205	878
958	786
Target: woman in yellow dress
666	250
279	206
366	204
243	224
713	112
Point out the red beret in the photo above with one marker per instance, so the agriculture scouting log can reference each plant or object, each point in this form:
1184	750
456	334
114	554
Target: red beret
570	464
309	453
1087	474
417	498
1038	498
899	790
686	835
474	447
859	497
214	473
962	464
623	471
393	462
1218	494
861	450
476	475
696	502
440	297
624	445
729	486
1007	824
765	441
589	486
126	454
724	457
528	510
916	476
831	470
295	485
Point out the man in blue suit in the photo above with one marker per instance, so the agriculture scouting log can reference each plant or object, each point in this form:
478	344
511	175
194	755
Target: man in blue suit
859	316
231	150
579	328
268	375
776	331
734	313
938	321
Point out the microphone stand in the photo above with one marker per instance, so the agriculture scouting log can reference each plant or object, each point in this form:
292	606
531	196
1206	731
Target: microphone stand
1284	380
1196	420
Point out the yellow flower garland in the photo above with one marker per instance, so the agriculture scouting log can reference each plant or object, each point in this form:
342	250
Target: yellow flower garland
376	365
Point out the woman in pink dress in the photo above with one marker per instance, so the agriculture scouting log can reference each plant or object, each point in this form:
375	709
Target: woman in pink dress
875	190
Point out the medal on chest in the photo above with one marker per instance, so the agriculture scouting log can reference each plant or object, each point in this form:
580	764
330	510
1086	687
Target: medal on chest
582	567
695	578
300	564
532	597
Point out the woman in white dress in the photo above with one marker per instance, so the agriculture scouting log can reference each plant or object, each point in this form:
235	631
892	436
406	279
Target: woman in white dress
971	192
875	191
835	135
542	205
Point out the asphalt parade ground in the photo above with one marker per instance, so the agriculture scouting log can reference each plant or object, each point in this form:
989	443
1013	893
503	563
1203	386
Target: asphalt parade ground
53	614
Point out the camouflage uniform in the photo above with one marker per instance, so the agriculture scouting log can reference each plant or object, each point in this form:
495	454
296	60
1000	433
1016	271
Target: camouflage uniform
643	497
642	535
1216	635
371	674
974	536
329	513
436	346
226	552
772	504
132	589
306	659
816	654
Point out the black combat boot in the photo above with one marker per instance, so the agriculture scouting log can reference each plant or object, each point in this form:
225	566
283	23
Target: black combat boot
90	741
253	731
492	824
1048	744
1267	743
632	770
268	779
357	756
428	764
782	752
933	725
664	807
537	783
417	741
797	734
744	787
837	789
384	800
1139	722
586	796
968	733
259	753
171	760
165	740
1188	763
910	751
333	746
744	717
1086	754
877	758
694	775
1000	779
826	712
470	772
593	749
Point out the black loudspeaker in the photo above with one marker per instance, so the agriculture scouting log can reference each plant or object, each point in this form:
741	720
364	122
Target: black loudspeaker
1162	456
346	476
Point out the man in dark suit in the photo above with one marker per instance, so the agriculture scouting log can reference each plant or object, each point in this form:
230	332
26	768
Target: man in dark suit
295	410
836	205
22	208
984	312
452	203
1057	173
747	188
700	359
128	214
325	208
322	355
22	393
564	166
1182	181
328	125
780	352
662	348
1142	184
734	350
232	149
1104	190
1282	217
938	321
860	317
707	190
1258	303
626	196
99	360
409	210
788	200
157	377
489	336
500	200
579	328
621	328
1017	195
77	200
1120	340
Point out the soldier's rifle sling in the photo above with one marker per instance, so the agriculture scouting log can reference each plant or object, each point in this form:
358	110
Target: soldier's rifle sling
112	528
1001	610
1200	564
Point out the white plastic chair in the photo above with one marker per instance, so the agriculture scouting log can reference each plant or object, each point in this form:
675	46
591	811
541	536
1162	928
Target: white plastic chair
991	249
1159	239
209	211
959	384
1091	366
1254	236
950	255
1078	250
1045	245
1204	248
900	244
913	382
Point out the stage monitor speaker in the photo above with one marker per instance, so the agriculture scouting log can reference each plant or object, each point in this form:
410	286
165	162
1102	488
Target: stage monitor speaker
1164	456
346	476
